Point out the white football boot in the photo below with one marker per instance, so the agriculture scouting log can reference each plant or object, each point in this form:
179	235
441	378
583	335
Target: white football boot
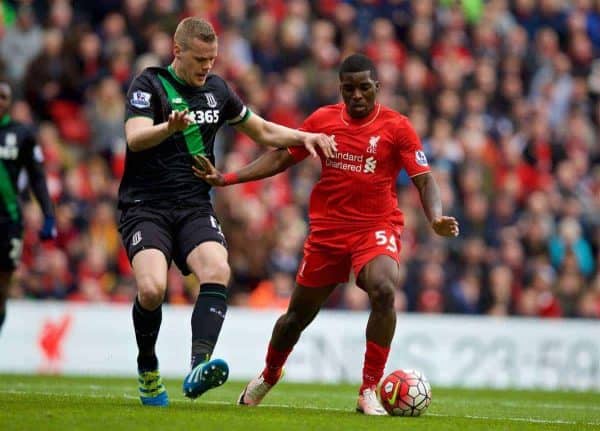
369	404
255	391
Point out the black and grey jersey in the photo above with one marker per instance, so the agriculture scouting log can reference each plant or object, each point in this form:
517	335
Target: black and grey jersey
18	151
164	173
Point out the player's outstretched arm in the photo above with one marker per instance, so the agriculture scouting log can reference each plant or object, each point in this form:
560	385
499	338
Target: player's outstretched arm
432	204
267	165
275	135
142	133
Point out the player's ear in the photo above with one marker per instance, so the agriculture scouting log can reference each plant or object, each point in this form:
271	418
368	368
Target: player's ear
177	50
377	86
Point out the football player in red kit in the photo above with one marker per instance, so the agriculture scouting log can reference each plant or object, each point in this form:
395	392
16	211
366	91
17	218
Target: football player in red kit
355	223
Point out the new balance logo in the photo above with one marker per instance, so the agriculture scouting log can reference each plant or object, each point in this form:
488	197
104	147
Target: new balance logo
137	237
370	165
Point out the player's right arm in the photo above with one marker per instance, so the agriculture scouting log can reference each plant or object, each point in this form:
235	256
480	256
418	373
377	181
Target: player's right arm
142	133
143	107
269	164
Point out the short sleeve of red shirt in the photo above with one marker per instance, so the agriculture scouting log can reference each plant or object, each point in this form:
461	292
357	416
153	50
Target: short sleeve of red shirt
300	153
411	154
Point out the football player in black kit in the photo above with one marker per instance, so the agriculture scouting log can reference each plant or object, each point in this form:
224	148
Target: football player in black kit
18	150
173	113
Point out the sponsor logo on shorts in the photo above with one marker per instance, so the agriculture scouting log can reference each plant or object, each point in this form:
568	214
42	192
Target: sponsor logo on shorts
137	237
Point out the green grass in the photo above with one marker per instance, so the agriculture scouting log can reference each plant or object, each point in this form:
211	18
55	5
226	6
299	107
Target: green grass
110	404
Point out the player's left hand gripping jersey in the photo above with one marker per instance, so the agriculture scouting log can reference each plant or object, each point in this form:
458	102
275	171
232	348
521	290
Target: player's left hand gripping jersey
358	186
19	150
163	173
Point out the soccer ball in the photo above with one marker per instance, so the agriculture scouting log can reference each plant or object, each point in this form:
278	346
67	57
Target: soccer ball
405	393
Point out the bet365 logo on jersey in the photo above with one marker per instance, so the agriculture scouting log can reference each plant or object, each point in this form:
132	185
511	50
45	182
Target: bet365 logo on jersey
210	116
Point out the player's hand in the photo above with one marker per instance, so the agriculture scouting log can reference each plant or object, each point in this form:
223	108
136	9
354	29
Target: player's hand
445	226
205	170
48	230
179	121
325	143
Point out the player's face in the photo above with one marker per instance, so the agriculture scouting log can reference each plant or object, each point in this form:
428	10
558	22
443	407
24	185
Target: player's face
196	61
5	97
359	90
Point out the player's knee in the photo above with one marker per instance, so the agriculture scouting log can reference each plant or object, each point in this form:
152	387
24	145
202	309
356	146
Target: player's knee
151	291
216	272
381	295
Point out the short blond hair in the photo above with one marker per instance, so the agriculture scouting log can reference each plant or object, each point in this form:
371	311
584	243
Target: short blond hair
194	28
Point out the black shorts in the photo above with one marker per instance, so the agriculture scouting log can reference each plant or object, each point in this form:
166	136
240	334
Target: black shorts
175	231
11	245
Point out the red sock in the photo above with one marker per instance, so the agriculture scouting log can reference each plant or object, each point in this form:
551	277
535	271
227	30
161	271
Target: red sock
375	359
274	363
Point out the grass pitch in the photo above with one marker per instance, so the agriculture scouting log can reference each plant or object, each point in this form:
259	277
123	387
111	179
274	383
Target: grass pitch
110	404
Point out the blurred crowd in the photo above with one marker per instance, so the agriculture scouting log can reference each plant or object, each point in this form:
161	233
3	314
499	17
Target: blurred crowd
504	94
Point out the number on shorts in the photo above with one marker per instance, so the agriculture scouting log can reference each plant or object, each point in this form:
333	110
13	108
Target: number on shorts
15	250
383	239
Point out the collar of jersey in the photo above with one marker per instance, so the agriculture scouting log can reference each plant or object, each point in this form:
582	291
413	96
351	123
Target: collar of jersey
4	120
348	120
174	75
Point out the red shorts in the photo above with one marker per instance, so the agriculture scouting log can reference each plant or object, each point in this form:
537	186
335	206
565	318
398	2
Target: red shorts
329	254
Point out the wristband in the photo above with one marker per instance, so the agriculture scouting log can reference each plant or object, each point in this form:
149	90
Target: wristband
230	178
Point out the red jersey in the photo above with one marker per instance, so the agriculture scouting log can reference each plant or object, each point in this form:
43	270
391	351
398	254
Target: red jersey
358	185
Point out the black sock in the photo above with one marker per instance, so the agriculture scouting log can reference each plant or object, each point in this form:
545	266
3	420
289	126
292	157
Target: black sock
146	324
2	317
207	320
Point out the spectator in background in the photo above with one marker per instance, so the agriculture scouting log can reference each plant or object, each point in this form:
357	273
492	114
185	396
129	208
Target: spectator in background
465	293
570	241
506	95
274	292
21	43
105	111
